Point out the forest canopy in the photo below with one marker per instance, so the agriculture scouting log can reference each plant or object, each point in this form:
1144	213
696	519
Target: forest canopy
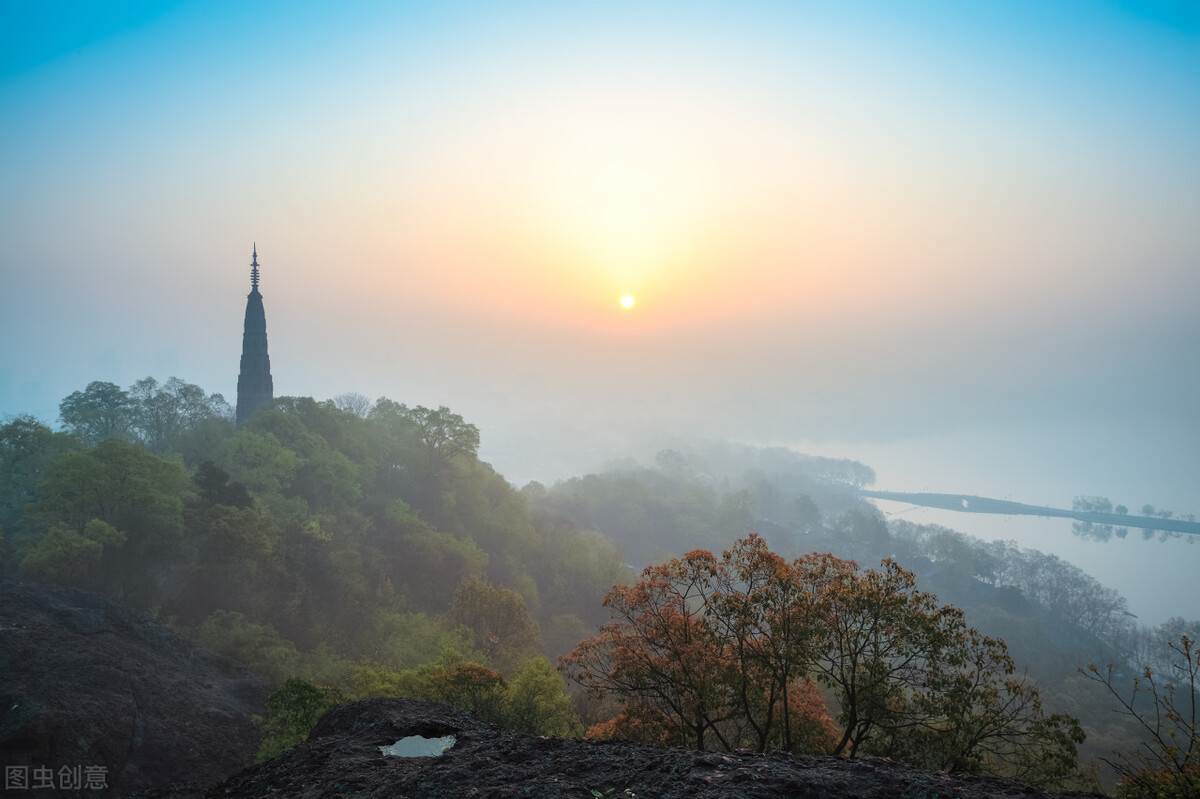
351	549
348	548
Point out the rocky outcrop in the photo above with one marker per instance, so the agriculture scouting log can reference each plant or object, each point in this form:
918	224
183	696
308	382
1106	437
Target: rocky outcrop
84	682
342	757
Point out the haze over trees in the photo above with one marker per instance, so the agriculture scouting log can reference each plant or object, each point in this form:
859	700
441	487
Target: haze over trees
359	551
351	548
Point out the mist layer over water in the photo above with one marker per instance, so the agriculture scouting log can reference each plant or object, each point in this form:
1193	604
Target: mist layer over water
1051	467
1131	464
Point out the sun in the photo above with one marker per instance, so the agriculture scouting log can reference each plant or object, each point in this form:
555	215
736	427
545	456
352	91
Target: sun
627	302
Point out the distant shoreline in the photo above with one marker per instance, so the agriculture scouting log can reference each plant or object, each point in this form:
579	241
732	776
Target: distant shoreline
969	503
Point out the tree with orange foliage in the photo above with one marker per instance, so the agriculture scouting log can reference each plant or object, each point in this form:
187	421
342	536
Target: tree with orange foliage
707	648
810	728
883	640
662	653
914	681
771	622
640	723
723	651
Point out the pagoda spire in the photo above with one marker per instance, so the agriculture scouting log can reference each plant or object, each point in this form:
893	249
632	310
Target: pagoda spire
255	387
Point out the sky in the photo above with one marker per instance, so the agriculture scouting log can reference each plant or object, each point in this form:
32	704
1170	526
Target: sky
958	241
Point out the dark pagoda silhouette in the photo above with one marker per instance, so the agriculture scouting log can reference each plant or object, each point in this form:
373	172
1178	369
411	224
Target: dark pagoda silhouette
255	388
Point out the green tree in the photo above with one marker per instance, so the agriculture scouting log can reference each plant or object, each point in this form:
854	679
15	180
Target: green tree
27	448
975	714
101	411
427	563
133	491
402	640
537	702
161	413
471	686
498	621
216	487
69	556
433	440
292	711
369	680
444	433
233	558
259	462
258	646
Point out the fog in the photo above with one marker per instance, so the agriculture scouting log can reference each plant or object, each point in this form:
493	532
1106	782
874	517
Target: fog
974	273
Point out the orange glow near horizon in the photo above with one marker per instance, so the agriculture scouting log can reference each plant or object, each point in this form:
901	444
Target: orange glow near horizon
713	194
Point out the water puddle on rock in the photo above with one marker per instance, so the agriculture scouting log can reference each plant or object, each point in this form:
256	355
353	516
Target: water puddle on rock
419	746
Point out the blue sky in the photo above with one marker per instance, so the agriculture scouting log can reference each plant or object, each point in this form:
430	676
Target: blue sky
1035	156
958	239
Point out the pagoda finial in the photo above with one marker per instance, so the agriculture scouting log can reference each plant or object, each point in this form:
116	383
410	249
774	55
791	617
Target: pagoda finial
254	267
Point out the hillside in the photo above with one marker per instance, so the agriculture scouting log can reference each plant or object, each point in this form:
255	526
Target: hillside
89	683
365	550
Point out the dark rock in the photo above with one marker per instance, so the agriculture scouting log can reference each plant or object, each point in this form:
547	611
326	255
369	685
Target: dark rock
84	682
342	758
